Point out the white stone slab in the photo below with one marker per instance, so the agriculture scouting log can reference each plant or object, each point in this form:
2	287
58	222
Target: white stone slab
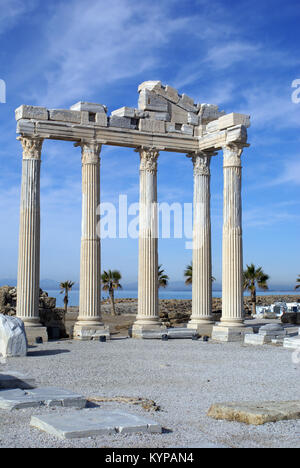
256	339
93	422
14	379
124	112
227	334
292	342
89	107
233	119
45	396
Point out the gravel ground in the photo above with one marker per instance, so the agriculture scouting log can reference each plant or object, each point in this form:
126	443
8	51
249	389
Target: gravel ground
184	377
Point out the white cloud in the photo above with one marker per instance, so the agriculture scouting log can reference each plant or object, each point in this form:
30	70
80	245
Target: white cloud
11	12
270	215
91	44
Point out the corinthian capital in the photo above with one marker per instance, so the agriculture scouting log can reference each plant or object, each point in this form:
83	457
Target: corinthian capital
201	162
148	158
32	147
90	152
232	154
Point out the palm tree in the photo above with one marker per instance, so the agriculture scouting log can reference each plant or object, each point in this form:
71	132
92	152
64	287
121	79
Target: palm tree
188	273
298	281
163	279
253	278
65	287
110	282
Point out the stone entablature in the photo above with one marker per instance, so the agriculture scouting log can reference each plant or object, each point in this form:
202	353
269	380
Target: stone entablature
163	121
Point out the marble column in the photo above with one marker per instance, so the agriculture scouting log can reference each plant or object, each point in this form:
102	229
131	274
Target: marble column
201	318
148	314
232	322
89	325
29	241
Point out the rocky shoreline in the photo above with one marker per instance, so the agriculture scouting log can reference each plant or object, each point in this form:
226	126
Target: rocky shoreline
173	312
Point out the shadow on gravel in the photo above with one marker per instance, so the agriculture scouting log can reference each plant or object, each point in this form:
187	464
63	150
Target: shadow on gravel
49	352
166	431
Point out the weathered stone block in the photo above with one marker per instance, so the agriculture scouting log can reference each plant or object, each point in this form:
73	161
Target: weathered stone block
152	102
124	112
164	116
227	334
233	119
212	126
153	126
256	413
187	103
89	107
62	115
25	126
178	115
171	128
172	94
150	85
122	122
199	130
292	342
256	339
13	341
88	333
31	112
238	134
209	112
272	330
193	119
100	118
187	129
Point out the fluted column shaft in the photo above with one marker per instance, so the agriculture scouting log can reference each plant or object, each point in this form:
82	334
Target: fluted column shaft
90	270
29	234
202	269
232	271
148	243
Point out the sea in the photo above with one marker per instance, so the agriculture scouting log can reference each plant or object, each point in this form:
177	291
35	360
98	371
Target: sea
163	294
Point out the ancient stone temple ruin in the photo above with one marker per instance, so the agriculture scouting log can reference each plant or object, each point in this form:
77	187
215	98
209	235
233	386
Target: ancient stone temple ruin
163	121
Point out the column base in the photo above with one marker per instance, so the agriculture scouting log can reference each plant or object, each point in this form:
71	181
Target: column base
228	333
144	325
32	333
203	328
88	331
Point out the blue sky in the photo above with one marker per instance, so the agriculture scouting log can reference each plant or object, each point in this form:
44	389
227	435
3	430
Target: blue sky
241	55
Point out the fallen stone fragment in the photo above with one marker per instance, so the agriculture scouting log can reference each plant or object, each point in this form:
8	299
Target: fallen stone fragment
292	342
13	341
148	405
256	413
46	396
93	422
13	379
